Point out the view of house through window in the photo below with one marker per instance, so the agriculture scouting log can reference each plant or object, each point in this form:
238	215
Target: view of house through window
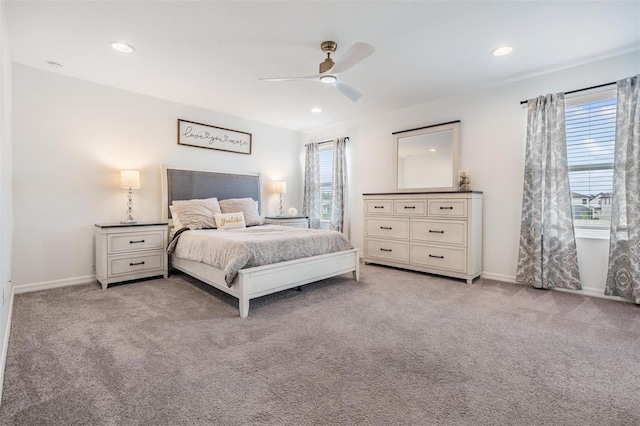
326	179
591	128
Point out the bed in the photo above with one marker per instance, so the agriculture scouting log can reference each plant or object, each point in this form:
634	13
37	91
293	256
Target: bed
249	283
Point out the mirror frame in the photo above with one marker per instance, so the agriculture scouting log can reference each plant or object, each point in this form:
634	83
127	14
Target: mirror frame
454	126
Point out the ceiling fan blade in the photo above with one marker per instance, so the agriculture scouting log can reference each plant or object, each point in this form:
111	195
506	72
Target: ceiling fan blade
310	77
348	90
351	57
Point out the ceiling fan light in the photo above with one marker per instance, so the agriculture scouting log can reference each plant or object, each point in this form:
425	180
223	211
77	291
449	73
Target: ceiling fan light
328	79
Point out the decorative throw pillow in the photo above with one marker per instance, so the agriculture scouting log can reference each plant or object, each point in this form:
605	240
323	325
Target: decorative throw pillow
196	214
230	220
176	222
247	206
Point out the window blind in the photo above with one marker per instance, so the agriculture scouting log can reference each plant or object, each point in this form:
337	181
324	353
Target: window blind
326	180
590	133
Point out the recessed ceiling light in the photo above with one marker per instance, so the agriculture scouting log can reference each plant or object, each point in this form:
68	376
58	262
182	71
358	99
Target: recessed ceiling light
122	47
316	110
54	64
432	150
328	79
501	51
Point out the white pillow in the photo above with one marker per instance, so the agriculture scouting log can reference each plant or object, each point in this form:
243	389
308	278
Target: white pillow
176	222
196	214
247	206
230	220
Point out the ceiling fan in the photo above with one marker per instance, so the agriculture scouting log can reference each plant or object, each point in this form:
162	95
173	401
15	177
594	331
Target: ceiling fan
330	70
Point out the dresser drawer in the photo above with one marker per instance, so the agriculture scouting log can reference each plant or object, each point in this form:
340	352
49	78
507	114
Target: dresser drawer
388	228
144	262
379	207
410	207
449	258
439	231
394	251
134	241
448	208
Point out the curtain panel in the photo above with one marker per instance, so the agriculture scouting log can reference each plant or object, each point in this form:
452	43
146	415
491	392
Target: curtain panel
339	187
547	255
312	203
623	276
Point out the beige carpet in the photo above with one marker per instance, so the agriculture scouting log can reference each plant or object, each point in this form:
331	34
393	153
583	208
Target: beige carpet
397	348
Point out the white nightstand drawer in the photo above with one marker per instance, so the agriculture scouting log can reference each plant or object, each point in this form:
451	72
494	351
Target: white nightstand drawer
388	228
439	257
379	207
135	241
410	207
394	251
448	208
439	231
143	262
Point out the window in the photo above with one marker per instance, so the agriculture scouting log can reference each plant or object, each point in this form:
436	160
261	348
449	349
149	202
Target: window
326	179
591	128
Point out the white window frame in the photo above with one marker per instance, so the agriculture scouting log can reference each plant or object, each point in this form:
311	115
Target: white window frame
583	98
328	146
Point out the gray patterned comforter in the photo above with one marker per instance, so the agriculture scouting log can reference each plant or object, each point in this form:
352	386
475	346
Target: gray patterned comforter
234	249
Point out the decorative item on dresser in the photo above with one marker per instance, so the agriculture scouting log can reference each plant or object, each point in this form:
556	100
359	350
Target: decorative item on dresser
129	252
297	221
435	232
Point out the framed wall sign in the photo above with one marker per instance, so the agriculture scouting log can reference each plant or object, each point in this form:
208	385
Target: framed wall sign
205	136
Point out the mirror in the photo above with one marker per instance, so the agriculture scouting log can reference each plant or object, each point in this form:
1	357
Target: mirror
427	159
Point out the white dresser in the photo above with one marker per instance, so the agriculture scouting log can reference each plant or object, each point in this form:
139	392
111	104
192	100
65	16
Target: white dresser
435	232
129	252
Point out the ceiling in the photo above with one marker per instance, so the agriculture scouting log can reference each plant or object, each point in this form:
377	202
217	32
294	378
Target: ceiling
211	54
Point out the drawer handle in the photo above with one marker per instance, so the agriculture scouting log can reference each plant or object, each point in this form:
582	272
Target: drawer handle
436	232
386	227
437	257
446	208
135	242
378	207
383	249
409	207
135	264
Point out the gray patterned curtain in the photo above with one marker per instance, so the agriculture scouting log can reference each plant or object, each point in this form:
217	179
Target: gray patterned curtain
339	188
312	203
623	277
547	257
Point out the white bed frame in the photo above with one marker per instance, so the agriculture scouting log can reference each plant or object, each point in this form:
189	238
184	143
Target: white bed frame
262	280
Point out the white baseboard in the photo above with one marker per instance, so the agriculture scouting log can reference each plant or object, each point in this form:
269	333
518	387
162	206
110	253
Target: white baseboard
499	277
5	345
585	291
46	285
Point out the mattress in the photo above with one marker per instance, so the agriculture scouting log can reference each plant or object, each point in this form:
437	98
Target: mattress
234	249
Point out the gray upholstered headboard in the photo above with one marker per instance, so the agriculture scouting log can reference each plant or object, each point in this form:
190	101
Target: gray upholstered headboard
182	184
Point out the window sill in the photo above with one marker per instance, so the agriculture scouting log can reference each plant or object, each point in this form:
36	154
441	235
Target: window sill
592	234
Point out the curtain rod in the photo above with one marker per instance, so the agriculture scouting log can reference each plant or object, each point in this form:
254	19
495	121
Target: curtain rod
425	127
581	90
331	141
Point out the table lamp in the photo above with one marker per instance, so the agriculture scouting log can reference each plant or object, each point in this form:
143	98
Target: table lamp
129	179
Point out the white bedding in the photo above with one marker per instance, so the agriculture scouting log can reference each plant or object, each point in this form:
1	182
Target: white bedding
234	249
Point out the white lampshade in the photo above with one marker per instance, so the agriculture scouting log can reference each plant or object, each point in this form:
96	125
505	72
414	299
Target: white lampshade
279	187
130	179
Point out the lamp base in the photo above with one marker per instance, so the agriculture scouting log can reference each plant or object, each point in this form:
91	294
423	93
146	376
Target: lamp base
129	222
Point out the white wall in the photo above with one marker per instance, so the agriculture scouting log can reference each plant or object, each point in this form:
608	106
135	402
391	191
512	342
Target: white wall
71	139
5	191
493	131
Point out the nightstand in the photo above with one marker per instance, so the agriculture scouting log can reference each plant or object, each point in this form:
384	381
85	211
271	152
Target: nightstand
297	221
129	252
